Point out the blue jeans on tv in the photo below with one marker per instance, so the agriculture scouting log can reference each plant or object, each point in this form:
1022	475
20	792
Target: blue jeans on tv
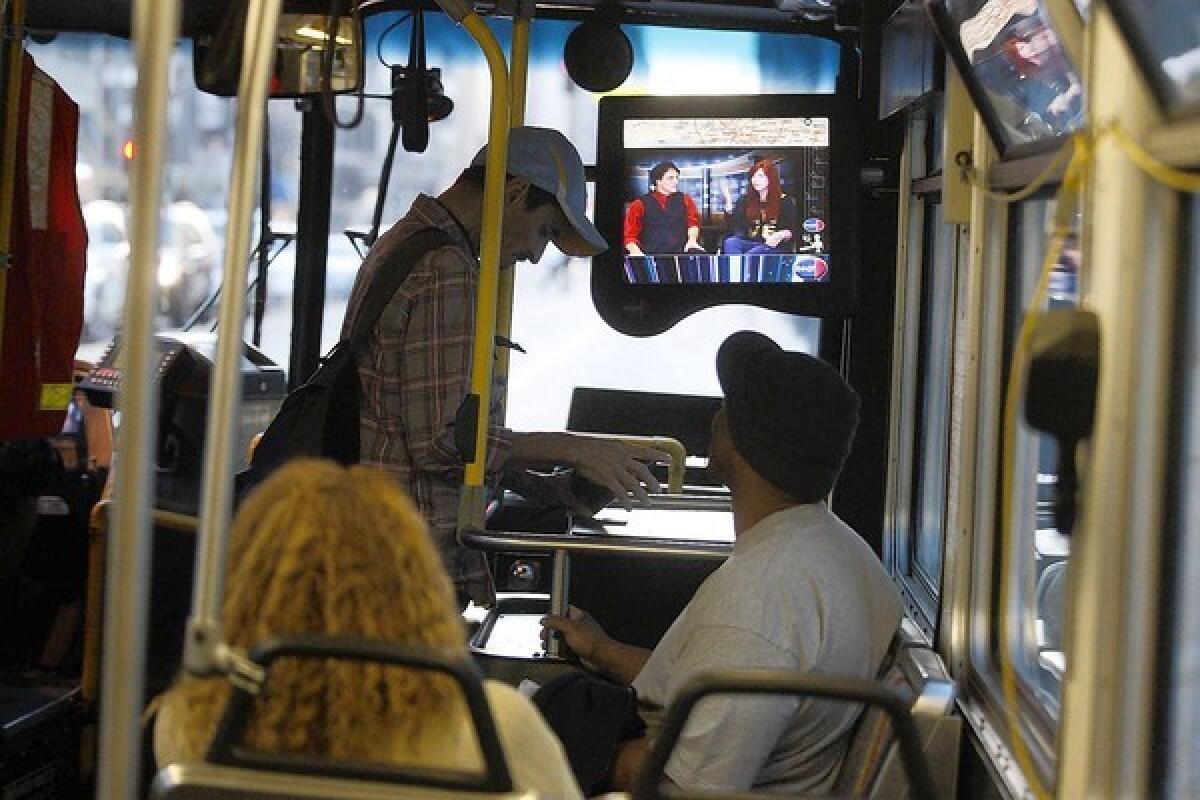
753	269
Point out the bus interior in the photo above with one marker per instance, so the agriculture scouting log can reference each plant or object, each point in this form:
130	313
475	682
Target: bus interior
997	245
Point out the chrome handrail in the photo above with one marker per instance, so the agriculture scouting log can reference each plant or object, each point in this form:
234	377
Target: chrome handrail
155	27
204	651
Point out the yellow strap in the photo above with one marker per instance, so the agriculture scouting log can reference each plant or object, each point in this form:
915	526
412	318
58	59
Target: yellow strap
15	53
972	175
1164	174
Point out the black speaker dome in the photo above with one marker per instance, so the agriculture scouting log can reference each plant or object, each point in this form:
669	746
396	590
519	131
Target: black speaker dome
598	56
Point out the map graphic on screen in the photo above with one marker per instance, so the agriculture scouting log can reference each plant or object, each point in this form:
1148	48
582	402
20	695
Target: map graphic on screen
726	200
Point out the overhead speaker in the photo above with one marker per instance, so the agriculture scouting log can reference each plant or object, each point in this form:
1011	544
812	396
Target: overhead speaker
598	56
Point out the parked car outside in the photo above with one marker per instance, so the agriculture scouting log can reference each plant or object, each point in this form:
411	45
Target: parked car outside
107	263
188	268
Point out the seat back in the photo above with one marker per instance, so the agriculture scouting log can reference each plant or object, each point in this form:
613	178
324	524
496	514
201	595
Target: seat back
211	782
906	745
872	766
234	771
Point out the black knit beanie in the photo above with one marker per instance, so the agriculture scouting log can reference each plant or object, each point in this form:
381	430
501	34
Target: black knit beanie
792	417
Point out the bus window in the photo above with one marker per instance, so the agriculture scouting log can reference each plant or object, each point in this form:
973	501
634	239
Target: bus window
1042	552
921	482
1183	690
98	73
554	318
933	418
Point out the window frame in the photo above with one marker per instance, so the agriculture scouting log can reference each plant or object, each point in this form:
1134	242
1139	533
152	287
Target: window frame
918	256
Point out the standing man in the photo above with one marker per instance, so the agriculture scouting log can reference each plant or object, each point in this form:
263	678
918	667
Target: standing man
801	591
664	220
415	368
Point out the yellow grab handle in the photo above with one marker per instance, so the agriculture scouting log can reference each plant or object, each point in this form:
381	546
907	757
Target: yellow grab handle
665	444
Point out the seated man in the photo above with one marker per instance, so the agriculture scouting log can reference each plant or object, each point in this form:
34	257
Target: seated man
801	591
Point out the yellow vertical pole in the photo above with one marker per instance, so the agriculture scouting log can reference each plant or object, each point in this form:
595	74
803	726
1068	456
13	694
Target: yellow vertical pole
518	79
471	501
15	53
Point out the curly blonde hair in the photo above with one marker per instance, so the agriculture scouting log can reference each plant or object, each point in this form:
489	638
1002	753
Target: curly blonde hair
323	549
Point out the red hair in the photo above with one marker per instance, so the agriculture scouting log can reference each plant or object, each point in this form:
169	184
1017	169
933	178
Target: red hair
754	206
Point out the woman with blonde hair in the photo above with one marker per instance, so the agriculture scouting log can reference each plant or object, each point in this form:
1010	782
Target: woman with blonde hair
334	551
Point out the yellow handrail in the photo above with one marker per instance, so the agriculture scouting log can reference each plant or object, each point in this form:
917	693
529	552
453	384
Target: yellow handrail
672	447
471	503
518	79
665	444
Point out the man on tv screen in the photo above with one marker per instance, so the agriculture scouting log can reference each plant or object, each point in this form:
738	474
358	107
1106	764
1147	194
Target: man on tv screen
664	220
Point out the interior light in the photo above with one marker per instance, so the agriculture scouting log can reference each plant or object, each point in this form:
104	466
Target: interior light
309	32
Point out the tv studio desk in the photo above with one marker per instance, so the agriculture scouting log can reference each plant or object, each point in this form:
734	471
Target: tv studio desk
682	527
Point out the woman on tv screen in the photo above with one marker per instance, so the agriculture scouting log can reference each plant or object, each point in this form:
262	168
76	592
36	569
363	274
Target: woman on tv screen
764	219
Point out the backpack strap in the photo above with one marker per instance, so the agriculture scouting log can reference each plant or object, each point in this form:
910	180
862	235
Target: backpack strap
389	276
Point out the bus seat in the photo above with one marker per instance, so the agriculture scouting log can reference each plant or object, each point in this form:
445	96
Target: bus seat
905	744
901	756
872	767
232	772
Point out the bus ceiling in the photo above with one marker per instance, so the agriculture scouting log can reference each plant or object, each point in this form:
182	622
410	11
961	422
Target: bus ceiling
830	18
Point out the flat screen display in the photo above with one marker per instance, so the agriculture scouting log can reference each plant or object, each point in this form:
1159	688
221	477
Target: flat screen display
1016	70
1165	38
708	200
726	200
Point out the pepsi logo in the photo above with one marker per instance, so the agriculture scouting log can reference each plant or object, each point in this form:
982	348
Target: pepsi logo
811	268
814	225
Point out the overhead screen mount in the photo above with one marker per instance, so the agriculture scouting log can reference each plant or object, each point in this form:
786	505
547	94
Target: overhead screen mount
793	249
1165	40
1019	75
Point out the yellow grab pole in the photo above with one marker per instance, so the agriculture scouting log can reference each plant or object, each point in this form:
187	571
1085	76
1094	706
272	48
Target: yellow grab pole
471	502
15	52
522	28
518	80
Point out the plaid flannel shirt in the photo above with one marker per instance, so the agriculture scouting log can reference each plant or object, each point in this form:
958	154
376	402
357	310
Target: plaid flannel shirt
415	370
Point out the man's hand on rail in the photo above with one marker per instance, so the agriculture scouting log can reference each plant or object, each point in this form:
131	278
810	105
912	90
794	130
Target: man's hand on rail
619	467
595	647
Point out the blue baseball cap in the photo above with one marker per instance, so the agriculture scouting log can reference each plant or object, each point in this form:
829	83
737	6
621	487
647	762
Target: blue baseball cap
546	159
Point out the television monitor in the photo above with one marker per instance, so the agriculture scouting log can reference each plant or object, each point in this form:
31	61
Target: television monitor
1018	74
1165	38
709	200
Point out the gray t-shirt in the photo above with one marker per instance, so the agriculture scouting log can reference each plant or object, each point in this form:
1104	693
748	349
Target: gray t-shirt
801	591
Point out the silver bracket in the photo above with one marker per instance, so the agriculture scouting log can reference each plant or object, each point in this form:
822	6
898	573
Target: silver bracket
241	671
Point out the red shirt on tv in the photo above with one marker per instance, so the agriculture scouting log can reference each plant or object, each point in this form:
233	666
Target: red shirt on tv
633	217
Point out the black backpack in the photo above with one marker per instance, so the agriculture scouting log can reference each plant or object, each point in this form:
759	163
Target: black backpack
320	418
